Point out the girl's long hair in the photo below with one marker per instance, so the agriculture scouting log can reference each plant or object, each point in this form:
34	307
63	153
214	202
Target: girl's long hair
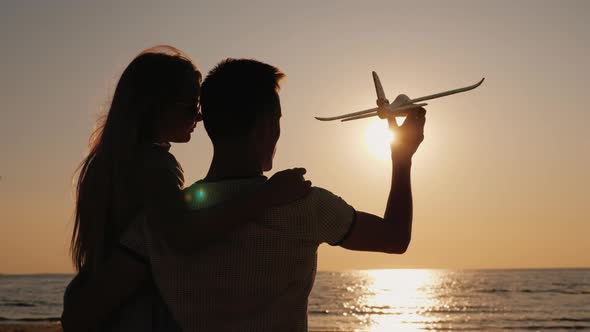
103	190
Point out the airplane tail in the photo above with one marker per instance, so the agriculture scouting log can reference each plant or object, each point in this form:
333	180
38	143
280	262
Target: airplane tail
378	87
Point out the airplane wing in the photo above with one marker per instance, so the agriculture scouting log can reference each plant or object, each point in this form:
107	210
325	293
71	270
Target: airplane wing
371	110
397	111
447	93
368	115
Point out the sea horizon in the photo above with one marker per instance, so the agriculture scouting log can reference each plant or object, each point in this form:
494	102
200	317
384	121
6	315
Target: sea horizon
369	269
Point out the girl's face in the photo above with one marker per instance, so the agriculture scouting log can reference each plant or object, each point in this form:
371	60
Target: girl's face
180	117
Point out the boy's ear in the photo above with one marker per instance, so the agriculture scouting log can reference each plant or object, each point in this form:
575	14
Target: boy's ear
259	128
261	124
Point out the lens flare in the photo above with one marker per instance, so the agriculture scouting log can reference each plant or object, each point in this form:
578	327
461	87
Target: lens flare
195	196
200	195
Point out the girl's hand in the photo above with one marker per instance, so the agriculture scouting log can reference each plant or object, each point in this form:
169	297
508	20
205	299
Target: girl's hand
284	187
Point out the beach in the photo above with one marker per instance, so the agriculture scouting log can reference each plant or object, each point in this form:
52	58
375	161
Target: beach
53	327
45	327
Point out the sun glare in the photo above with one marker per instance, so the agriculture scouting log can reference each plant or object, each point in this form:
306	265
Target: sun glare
379	138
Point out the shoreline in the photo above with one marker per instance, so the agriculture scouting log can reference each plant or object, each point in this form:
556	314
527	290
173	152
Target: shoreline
30	327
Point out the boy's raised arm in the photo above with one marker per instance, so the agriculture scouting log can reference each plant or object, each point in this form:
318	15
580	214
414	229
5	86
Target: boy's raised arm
393	232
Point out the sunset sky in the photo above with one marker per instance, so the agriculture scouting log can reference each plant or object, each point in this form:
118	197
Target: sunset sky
501	180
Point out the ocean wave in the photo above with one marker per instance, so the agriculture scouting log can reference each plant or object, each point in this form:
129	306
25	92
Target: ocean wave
571	284
567	319
30	319
556	291
543	327
498	328
17	304
533	291
493	290
559	319
322	312
392	311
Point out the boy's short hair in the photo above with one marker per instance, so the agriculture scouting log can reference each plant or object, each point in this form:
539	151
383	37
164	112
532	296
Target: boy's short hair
235	93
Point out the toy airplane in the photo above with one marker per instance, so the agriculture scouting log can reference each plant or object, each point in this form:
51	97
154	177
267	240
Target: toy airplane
401	106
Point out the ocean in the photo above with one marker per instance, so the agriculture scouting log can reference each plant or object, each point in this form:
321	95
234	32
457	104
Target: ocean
388	300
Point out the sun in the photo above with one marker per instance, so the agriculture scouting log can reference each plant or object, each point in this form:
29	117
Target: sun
378	138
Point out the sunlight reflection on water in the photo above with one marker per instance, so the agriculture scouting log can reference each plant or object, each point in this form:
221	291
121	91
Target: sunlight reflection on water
418	300
385	300
398	299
